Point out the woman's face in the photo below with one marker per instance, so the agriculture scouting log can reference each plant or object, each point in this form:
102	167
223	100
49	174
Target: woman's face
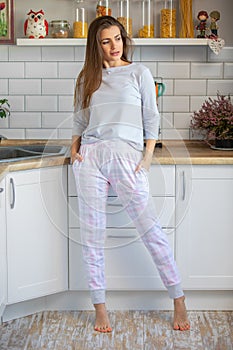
112	46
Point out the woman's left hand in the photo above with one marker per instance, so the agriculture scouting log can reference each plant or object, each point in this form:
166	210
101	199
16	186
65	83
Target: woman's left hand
145	162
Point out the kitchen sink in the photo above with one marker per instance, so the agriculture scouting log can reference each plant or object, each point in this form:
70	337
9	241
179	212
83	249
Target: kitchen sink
15	153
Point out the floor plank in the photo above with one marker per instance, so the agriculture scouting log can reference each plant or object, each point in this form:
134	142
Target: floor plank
132	330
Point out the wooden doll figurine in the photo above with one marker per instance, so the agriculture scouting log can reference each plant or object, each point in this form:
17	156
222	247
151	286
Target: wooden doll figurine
201	27
215	16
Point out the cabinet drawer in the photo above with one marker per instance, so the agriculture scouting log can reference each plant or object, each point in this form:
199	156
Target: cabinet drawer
161	179
117	216
129	266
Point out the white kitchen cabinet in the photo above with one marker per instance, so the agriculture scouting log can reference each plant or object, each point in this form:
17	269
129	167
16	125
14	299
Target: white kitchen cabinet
204	226
3	266
37	242
128	263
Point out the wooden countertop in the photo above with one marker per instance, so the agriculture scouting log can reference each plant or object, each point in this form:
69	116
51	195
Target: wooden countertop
172	152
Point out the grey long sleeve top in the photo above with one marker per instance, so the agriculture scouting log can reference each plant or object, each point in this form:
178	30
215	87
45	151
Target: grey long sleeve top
124	107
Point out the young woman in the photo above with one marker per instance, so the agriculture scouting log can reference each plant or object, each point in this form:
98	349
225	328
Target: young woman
115	111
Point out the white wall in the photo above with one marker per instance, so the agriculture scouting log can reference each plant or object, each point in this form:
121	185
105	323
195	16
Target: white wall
39	81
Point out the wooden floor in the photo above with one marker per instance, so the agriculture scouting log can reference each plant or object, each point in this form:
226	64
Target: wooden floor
133	330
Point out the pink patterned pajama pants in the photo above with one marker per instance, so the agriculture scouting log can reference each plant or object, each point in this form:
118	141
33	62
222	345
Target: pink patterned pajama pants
113	163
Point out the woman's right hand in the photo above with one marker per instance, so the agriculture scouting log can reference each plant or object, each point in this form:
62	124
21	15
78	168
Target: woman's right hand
76	156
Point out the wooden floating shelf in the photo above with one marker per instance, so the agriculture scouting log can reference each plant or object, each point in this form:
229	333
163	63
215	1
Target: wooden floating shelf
137	42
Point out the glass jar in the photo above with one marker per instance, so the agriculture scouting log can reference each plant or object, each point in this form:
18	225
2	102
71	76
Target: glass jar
103	8
60	29
186	29
168	19
124	16
147	25
80	25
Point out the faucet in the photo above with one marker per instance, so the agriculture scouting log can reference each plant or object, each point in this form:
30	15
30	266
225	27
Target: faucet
2	138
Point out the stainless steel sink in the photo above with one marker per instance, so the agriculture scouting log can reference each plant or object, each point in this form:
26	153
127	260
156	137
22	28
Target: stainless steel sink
15	153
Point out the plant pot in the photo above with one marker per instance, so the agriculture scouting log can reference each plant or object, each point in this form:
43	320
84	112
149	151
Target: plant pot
225	143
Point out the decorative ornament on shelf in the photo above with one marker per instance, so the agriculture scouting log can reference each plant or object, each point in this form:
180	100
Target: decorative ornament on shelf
215	122
201	27
36	26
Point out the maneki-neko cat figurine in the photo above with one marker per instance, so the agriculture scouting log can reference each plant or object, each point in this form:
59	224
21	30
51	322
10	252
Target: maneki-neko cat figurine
36	26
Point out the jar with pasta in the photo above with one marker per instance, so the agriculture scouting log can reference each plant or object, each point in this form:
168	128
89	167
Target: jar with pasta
168	19
147	19
124	16
80	25
186	29
103	8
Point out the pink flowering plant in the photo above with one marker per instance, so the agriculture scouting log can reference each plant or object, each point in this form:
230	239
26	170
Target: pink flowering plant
215	118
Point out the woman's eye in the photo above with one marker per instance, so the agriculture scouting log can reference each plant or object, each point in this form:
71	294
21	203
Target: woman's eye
104	42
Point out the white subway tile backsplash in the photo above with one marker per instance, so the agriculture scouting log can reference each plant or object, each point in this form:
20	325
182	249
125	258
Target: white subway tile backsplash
225	87
173	70
58	53
226	55
176	104
4	86
228	70
41	70
4	53
190	87
196	102
46	134
175	134
66	103
57	120
156	53
190	53
18	53
57	86
25	86
65	134
39	84
69	69
25	120
182	120
41	103
11	70
206	70
13	133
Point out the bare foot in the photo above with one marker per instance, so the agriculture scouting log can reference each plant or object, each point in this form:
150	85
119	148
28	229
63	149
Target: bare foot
102	323
181	321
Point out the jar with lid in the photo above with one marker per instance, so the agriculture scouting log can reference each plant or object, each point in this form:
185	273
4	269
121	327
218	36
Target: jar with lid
124	16
168	19
103	8
60	29
147	22
80	25
186	29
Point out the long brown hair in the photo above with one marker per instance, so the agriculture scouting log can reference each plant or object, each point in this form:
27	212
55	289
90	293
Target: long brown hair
90	77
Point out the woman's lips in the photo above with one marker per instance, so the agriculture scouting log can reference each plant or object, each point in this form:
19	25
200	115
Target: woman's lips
115	53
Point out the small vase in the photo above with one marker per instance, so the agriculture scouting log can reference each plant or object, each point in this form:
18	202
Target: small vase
224	144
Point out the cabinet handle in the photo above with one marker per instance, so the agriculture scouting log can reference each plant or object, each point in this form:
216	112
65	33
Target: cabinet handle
1	189
183	185
12	204
122	236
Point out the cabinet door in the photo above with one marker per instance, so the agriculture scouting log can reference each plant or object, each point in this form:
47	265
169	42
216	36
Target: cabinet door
129	266
3	266
36	233
204	226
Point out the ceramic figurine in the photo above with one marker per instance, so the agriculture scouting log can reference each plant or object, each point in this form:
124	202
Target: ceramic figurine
201	27
36	27
214	16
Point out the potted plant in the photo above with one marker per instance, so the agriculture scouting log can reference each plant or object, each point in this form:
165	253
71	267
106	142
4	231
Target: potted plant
215	121
4	111
4	108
